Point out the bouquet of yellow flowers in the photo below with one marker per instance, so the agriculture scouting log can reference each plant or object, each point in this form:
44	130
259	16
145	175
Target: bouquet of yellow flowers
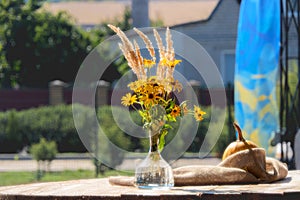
153	94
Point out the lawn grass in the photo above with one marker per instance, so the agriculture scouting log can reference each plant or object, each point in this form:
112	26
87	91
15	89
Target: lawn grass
15	178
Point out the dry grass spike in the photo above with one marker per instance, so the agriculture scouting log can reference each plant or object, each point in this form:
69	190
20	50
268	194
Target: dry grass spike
161	49
148	43
170	50
132	53
127	49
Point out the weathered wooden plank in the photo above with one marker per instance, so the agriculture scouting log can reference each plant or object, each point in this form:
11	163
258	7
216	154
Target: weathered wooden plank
288	188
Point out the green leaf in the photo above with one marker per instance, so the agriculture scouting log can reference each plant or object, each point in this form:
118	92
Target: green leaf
161	144
170	118
167	126
144	115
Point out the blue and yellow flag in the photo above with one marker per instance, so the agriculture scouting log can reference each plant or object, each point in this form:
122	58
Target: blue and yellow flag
257	54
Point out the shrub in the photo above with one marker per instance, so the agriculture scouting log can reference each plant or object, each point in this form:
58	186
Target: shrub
44	152
53	123
19	129
10	137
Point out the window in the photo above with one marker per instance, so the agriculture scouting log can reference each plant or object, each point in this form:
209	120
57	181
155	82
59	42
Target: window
228	66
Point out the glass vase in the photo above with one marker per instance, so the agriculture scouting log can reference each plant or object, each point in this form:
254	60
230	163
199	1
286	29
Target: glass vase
154	172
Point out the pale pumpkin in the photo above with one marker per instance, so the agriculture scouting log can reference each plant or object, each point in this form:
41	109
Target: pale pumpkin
238	145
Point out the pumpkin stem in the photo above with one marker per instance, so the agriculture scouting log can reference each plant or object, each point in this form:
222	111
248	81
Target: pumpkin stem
240	134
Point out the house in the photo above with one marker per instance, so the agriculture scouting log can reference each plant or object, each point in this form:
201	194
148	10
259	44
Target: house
171	12
217	34
212	23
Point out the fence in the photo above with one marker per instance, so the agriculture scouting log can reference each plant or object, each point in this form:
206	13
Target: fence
59	93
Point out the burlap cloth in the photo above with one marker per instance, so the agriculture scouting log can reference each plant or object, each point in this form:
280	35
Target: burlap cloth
244	167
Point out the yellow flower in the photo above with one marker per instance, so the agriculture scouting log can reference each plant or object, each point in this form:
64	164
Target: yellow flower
175	111
135	85
163	62
128	99
148	63
198	113
174	63
170	63
159	89
149	95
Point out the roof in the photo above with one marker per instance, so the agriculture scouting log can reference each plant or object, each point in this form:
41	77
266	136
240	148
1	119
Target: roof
171	12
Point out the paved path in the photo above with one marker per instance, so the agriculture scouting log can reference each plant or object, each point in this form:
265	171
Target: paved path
56	165
87	164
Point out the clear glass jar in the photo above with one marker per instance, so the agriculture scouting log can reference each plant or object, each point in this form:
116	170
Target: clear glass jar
154	172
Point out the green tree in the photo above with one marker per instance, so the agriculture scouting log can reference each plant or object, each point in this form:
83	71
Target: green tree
101	32
37	46
44	152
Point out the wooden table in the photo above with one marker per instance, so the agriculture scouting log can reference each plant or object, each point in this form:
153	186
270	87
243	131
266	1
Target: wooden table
288	188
